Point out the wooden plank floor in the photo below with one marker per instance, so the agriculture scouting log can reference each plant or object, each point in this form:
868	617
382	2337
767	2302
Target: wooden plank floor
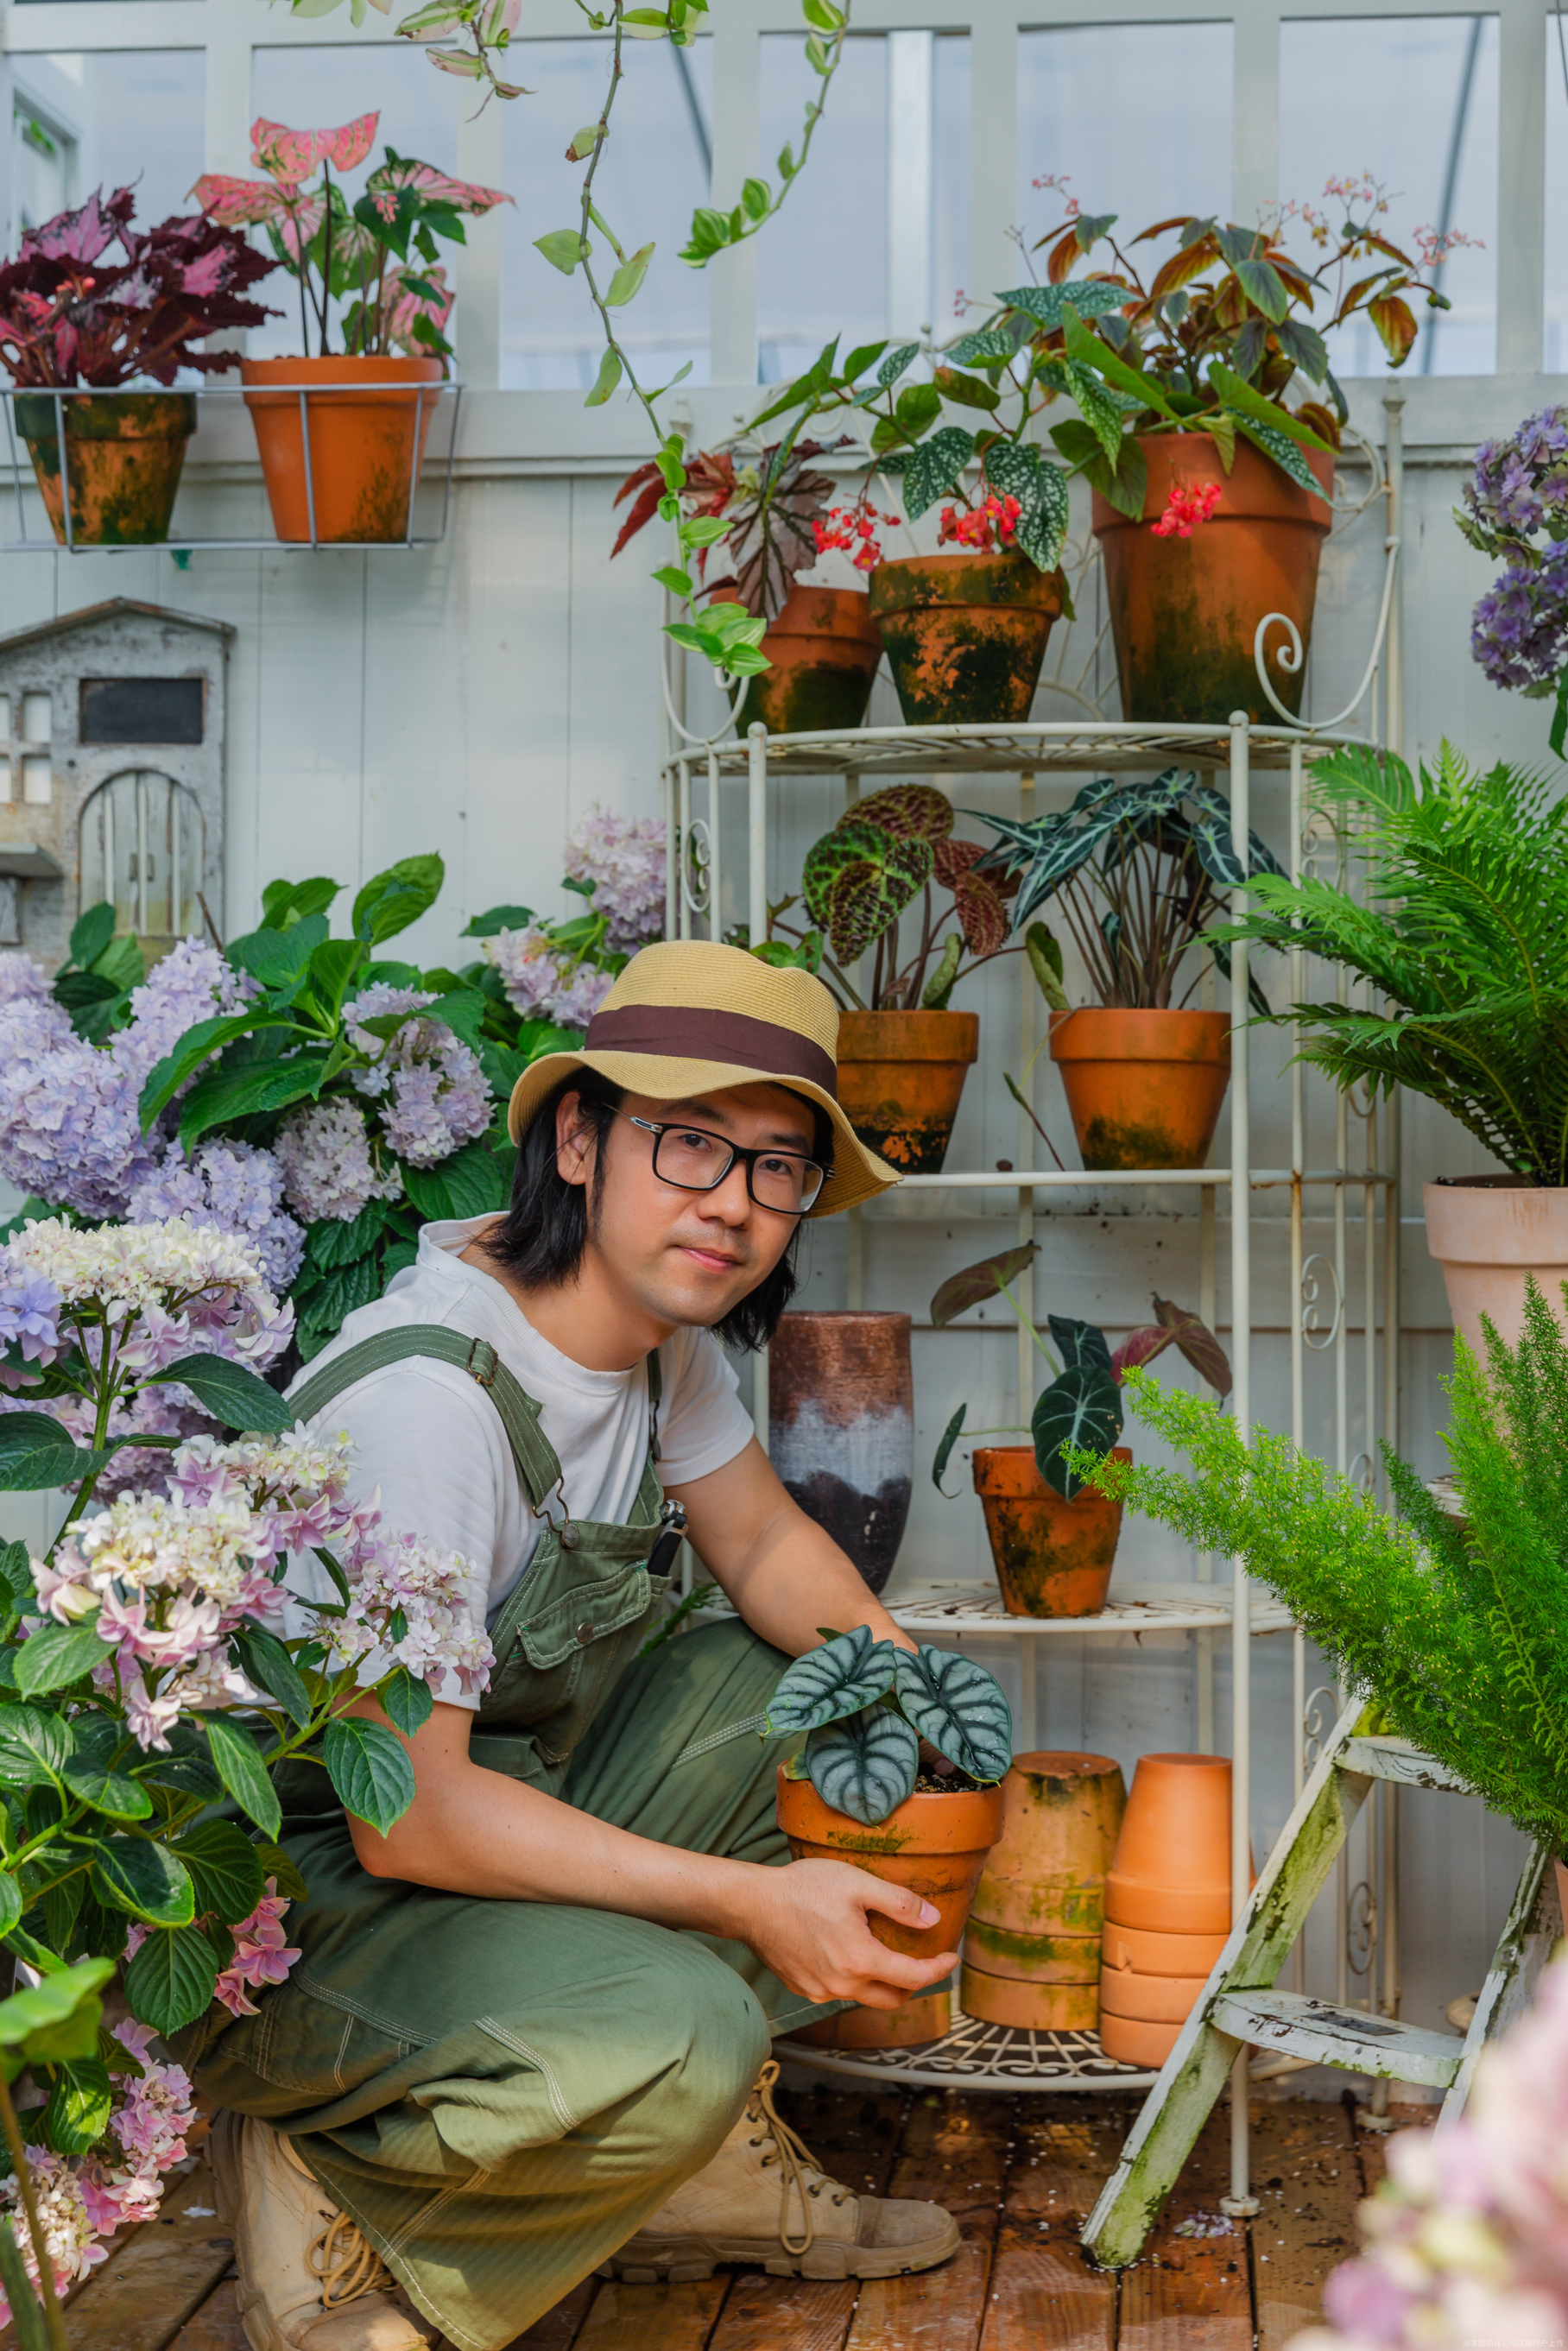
1020	2173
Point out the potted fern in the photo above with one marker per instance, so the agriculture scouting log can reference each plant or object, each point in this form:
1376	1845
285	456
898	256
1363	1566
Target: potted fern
1462	936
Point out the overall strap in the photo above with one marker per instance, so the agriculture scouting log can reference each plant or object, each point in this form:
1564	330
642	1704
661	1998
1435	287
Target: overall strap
537	1465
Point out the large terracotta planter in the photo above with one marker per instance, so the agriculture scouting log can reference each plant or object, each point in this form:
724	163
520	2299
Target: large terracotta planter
124	452
936	1844
1185	612
1171	1868
1031	1949
1053	1558
900	1075
824	647
1488	1233
964	633
364	461
841	1405
1143	1087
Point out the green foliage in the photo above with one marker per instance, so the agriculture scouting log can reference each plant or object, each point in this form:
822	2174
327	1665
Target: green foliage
1463	930
867	1704
1453	1625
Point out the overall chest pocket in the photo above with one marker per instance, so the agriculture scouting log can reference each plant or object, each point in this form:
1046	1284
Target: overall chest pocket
564	1651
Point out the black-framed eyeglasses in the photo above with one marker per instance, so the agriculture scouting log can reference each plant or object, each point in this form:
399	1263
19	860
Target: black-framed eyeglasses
696	1161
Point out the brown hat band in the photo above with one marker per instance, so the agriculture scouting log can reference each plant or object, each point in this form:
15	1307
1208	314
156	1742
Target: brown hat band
695	1034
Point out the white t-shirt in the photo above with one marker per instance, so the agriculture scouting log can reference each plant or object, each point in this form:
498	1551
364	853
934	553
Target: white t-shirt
430	1437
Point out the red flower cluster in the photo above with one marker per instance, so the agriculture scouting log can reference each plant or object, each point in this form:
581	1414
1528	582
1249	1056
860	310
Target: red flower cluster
988	527
1186	508
852	531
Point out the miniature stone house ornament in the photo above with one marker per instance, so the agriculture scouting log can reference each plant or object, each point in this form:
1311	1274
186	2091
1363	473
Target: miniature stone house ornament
111	775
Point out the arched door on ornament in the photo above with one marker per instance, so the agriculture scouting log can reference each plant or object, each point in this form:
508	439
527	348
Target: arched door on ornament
144	847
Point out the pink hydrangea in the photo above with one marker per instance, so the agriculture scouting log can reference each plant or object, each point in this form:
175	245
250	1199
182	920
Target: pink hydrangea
263	1954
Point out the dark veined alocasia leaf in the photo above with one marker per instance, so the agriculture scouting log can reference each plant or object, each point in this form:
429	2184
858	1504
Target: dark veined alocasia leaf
1256	998
908	811
983	1279
223	1869
850	1671
866	1765
950	1437
958	1707
370	1769
235	1396
1079	1342
857	880
170	1982
1083	1408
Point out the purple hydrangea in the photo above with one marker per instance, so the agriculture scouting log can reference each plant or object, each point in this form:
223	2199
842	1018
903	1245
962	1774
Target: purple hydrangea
21	977
544	982
431	1092
623	857
234	1186
1516	507
325	1153
29	1312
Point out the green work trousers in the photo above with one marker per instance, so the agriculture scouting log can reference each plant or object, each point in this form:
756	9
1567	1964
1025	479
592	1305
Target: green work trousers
501	2093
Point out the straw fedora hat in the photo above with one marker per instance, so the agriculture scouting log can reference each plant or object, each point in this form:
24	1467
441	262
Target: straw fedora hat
689	1016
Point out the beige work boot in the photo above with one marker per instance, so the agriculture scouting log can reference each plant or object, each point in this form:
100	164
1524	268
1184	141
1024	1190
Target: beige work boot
763	2200
307	2275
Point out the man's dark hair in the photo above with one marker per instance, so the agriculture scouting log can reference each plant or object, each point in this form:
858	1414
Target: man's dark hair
541	1238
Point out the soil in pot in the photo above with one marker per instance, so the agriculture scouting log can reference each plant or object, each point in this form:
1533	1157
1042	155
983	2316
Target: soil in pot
966	634
1488	1233
1052	1557
824	647
364	462
935	1843
1185	612
900	1076
124	452
841	1405
1143	1087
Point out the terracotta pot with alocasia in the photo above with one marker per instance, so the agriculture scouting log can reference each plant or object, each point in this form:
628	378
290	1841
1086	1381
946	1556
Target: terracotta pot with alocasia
91	304
1138	870
1031	1951
857	1792
840	1403
1457	929
341	436
1053	1535
904	1051
762	506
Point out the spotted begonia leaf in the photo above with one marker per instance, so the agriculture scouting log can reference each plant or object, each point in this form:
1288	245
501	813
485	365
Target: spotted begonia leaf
858	879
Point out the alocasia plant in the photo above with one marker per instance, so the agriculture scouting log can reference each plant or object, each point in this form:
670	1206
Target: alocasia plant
1080	1412
358	254
866	1706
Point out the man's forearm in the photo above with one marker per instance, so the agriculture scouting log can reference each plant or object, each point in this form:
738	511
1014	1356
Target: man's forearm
794	1581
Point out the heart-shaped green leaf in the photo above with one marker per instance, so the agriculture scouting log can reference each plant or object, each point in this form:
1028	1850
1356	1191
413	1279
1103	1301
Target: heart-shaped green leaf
844	1675
170	1982
959	1707
865	1766
145	1880
223	1869
370	1769
1081	1408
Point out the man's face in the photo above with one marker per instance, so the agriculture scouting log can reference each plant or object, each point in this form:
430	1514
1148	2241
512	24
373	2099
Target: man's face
685	1257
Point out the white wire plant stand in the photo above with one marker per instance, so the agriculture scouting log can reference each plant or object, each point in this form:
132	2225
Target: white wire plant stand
1363	1172
430	472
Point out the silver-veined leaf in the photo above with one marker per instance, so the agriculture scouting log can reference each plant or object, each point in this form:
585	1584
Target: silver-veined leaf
934	468
865	1766
847	1673
956	1705
1083	1408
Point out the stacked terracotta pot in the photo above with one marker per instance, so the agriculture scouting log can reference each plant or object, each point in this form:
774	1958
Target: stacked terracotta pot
1031	1952
1168	1902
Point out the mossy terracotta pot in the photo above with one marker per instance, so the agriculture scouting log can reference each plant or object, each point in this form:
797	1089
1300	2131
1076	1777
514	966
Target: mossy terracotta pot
1185	612
124	452
1143	1087
1062	1812
926	2018
936	1845
367	439
1052	1557
840	1407
1171	1868
1490	1234
901	1077
1036	2006
824	647
966	634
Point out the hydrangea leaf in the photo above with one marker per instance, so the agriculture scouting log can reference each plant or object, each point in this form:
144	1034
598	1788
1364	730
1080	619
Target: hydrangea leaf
866	1765
959	1708
232	1393
844	1675
171	1980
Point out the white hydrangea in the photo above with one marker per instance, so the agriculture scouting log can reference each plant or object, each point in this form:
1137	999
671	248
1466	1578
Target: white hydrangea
130	1268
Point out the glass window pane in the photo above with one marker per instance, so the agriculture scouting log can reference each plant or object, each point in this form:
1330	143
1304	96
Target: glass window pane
1171	152
1555	358
105	118
892	155
652	175
1412	101
316	89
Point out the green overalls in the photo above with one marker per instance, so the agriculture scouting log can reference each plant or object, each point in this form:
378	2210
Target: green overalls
501	2093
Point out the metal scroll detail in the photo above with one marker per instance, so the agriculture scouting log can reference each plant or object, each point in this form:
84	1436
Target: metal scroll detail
696	864
1313	1333
1319	1715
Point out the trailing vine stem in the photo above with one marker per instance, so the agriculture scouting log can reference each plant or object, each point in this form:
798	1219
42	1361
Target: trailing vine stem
591	217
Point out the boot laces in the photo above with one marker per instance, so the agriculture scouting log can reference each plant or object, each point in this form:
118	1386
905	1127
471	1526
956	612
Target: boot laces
799	2168
347	2263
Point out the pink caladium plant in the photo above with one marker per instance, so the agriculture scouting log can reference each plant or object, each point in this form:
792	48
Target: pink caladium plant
90	299
376	257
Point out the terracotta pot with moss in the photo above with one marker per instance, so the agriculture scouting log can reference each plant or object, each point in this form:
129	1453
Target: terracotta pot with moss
966	634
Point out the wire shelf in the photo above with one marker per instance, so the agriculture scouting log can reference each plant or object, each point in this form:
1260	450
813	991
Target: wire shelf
978	2057
429	400
1036	747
